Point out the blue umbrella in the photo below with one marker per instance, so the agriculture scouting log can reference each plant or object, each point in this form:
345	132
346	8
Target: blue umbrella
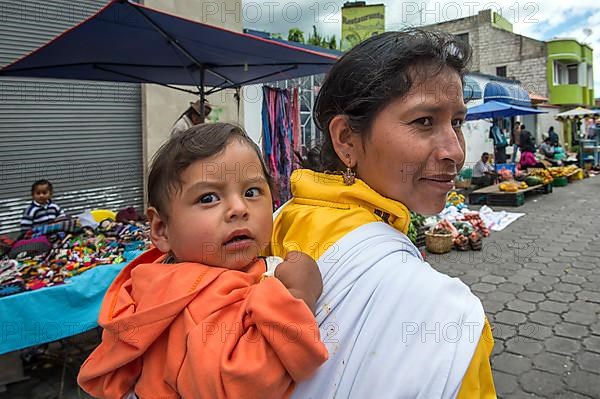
128	42
496	109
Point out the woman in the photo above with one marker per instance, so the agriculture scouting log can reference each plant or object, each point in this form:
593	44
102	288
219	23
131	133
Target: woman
391	111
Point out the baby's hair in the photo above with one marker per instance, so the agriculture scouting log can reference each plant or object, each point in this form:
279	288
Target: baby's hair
42	182
182	149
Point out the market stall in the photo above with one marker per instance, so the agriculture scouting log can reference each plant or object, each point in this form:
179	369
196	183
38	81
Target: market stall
52	284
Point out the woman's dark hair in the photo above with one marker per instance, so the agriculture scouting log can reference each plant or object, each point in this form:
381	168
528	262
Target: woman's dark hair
376	72
182	149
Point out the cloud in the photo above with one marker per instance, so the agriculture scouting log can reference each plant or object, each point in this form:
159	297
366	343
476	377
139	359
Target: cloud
541	20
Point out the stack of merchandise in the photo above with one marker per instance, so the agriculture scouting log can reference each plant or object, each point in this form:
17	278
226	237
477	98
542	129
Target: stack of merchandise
11	281
72	254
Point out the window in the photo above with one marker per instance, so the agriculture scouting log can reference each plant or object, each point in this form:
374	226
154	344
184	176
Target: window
464	37
590	77
573	70
560	73
501	71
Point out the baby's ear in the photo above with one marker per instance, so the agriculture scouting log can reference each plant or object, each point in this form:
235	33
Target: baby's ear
158	230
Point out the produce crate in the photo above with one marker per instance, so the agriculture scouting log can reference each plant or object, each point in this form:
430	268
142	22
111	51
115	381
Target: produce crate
493	196
560	181
576	175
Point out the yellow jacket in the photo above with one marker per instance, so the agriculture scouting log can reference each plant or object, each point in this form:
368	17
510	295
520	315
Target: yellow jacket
323	210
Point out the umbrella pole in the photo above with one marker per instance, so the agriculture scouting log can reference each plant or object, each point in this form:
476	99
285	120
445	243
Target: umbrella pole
202	93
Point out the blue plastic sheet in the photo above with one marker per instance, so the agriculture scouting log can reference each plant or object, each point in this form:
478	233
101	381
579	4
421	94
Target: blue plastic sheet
52	313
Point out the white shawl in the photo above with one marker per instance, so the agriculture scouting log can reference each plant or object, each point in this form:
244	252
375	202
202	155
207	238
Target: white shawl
394	327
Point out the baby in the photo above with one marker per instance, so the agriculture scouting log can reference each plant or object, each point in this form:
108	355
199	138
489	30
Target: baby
202	315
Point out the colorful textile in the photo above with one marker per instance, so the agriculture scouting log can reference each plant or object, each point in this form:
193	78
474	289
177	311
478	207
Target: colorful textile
68	226
67	255
281	135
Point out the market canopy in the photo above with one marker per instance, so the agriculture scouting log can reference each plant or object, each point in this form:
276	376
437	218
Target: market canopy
471	89
127	42
506	93
495	109
578	112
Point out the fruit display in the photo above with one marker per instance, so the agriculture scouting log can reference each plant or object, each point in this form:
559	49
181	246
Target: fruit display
543	174
509	187
477	223
562	171
416	222
467	233
505	174
533	181
523	185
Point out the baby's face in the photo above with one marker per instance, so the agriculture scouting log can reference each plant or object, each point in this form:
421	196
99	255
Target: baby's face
223	214
42	194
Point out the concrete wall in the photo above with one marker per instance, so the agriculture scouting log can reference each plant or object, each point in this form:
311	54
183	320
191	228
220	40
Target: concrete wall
464	25
161	106
547	120
524	58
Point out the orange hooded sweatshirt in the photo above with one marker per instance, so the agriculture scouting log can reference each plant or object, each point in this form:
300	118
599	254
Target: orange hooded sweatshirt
194	331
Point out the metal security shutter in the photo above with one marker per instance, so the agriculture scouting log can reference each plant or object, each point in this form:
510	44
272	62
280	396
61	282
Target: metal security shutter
85	137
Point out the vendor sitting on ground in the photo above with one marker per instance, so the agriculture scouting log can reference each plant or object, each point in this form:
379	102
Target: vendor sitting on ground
41	210
483	172
547	149
552	153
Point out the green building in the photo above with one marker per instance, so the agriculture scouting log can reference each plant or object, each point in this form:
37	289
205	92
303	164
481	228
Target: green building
570	72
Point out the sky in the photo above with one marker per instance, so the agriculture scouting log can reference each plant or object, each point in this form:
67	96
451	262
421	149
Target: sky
542	20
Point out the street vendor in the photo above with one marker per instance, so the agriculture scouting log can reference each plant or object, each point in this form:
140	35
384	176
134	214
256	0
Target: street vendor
483	172
393	143
192	116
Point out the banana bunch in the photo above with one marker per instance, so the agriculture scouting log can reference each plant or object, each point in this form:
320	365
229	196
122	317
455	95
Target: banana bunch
543	174
561	171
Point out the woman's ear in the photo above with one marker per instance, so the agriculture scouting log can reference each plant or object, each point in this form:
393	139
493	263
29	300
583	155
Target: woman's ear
345	142
158	230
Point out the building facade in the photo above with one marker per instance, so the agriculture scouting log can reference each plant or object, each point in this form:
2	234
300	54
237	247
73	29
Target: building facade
570	72
500	52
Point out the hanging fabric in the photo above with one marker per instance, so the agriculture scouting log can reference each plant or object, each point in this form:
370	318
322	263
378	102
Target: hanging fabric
281	135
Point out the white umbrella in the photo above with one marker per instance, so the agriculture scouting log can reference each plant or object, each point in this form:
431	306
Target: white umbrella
577	112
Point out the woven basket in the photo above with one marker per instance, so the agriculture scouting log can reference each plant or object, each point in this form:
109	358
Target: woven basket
438	243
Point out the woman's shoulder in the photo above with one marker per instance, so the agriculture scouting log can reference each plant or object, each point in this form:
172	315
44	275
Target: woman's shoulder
399	269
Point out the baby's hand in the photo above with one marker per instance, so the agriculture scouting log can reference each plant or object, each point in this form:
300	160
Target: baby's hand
301	275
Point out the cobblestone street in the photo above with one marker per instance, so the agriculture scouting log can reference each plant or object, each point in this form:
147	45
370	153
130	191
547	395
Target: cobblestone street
539	281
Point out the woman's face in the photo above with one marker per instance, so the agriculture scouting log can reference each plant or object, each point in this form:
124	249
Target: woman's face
416	147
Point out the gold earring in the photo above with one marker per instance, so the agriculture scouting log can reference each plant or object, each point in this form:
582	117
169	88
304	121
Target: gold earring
349	175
